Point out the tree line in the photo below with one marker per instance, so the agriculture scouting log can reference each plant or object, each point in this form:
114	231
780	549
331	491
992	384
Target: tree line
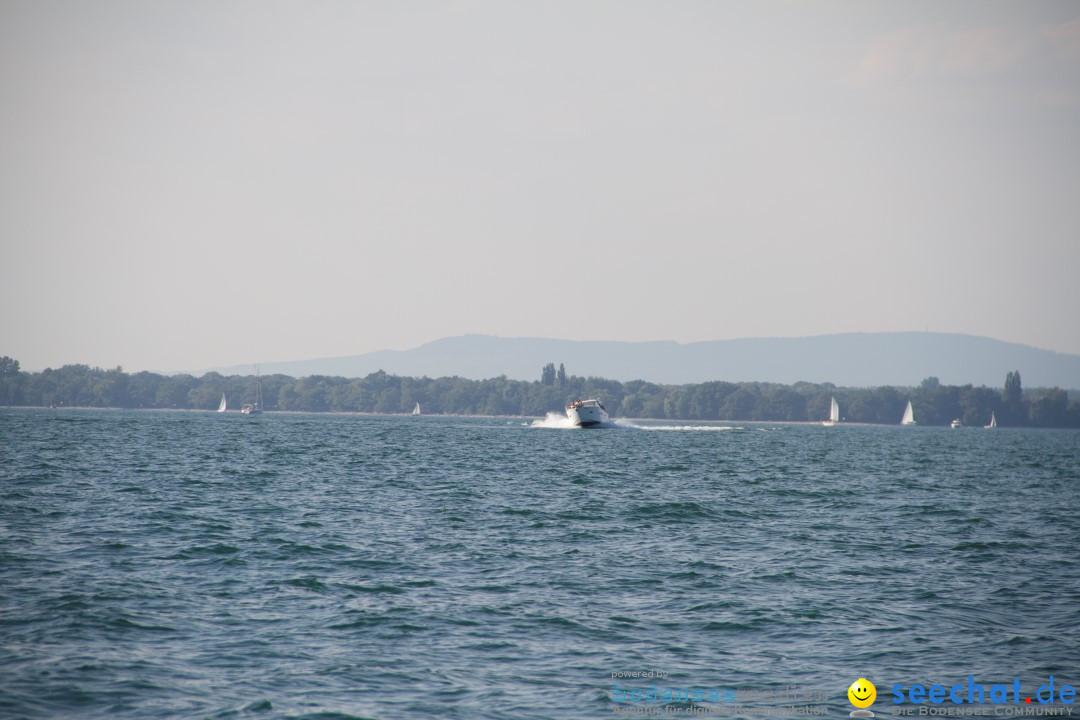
380	392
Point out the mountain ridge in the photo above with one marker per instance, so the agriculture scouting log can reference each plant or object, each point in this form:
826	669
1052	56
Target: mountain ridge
844	359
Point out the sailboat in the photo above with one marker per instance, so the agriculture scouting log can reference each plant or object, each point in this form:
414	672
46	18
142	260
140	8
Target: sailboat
416	410
993	421
224	405
834	414
909	415
256	407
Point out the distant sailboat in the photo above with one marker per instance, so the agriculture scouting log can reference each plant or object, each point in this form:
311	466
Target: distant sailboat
416	410
909	415
834	414
224	405
255	408
993	421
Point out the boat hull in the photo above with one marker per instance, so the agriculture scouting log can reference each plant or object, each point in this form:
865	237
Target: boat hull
587	416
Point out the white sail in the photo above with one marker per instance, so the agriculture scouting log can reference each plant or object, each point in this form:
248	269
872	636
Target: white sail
416	410
993	420
834	411
909	415
223	405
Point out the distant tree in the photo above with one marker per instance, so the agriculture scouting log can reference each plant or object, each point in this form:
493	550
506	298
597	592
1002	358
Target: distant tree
1073	417
109	388
1050	409
1012	401
8	366
142	389
547	375
561	376
287	398
1012	392
677	402
12	389
204	396
976	404
781	403
173	393
930	383
389	401
738	405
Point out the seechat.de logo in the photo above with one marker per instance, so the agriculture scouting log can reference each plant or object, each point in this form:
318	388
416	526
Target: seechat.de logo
973	693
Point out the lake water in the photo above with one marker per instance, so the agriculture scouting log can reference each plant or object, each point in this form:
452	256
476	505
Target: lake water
159	565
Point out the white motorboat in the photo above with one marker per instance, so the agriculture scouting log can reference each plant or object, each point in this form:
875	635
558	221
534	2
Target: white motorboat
587	413
834	414
956	423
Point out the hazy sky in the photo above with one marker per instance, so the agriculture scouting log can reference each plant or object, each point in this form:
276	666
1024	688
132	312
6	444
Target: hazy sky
191	184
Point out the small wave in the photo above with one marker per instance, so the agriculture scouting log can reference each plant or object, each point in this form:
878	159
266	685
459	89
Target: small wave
486	646
201	551
308	583
625	620
689	575
675	511
411	628
126	624
991	545
377	589
722	626
363	622
257	706
329	715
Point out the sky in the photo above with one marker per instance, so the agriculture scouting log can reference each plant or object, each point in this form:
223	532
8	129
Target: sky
186	185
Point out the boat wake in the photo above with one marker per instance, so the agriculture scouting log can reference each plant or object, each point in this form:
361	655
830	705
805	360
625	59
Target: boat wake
680	428
555	421
559	421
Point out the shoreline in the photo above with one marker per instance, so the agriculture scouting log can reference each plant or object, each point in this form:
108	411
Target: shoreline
357	413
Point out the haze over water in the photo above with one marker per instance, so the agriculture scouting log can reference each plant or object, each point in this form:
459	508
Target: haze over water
198	565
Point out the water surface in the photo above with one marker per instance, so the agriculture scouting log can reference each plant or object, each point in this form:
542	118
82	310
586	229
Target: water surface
157	564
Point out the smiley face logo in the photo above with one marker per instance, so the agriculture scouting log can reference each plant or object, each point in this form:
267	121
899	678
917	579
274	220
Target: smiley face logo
862	693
